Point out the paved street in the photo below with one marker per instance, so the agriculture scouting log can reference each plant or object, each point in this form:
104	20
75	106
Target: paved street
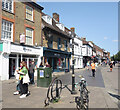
103	91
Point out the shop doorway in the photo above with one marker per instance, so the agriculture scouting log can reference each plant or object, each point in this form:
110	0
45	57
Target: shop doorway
12	67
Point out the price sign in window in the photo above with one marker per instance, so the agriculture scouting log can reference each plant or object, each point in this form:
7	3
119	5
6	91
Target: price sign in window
41	73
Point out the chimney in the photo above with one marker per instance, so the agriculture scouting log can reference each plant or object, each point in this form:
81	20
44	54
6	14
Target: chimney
72	29
83	38
56	16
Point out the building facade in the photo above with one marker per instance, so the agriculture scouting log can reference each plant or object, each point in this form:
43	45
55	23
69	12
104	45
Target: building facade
86	51
20	36
56	50
78	58
99	53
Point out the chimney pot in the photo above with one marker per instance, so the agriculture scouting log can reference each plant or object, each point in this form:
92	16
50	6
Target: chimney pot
56	16
72	29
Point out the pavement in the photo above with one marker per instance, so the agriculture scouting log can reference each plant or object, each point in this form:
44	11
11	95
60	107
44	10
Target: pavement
103	91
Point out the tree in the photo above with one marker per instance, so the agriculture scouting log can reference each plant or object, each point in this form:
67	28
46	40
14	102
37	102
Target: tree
116	57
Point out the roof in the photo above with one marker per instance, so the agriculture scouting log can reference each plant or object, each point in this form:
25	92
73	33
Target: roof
54	28
97	47
36	5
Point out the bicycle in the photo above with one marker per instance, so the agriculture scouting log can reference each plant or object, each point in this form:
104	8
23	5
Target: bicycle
82	102
54	91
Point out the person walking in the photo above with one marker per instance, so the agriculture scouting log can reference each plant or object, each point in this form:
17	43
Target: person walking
41	65
88	64
17	76
24	80
114	63
111	66
32	70
93	69
47	64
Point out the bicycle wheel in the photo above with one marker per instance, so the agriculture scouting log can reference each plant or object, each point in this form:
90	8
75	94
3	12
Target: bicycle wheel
78	103
56	89
85	97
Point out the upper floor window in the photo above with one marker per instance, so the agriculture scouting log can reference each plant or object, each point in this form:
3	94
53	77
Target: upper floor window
29	36
7	30
59	43
29	13
7	5
65	45
50	42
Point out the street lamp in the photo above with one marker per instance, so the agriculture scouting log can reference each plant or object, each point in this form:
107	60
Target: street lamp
73	75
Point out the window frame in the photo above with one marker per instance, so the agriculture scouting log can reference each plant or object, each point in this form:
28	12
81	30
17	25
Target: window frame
59	43
26	13
29	36
65	45
50	42
2	30
7	9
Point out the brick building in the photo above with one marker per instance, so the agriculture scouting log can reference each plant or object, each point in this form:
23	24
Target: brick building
56	39
20	36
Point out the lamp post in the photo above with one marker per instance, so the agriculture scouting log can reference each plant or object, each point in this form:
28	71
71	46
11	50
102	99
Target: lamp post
73	74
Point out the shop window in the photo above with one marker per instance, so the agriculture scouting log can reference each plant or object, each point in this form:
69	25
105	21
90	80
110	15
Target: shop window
29	36
59	64
65	45
7	30
29	13
7	5
59	43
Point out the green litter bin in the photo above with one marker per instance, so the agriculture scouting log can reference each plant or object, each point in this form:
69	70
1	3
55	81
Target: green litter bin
44	76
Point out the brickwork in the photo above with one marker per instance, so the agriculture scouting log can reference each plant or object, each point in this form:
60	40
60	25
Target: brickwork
55	41
18	17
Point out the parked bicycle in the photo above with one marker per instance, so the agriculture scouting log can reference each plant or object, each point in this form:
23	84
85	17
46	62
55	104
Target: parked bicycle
55	89
82	102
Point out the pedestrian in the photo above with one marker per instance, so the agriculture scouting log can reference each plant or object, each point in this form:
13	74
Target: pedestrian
47	65
18	81
24	80
96	64
111	66
32	70
41	65
88	64
93	69
114	63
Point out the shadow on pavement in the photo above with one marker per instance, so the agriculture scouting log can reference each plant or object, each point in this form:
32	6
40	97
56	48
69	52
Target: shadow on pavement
114	95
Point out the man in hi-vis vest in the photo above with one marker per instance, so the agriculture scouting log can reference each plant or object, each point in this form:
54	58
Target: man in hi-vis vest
93	68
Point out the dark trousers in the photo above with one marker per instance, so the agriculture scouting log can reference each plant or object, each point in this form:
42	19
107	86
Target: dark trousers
32	78
93	72
23	87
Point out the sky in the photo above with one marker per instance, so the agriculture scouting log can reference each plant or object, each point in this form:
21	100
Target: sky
97	21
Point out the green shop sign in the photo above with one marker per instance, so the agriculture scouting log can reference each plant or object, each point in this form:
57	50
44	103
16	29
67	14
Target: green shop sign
1	47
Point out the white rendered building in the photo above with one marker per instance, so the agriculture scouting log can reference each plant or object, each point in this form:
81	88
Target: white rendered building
11	54
78	58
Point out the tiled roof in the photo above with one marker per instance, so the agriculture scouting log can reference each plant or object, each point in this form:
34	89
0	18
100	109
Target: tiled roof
55	28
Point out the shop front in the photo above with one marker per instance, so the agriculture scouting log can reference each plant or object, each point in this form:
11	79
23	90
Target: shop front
58	60
12	54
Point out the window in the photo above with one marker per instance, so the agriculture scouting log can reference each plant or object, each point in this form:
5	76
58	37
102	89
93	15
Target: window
65	45
59	43
50	42
29	36
7	30
7	5
29	13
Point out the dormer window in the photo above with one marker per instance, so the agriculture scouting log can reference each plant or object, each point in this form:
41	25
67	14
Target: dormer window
47	19
61	26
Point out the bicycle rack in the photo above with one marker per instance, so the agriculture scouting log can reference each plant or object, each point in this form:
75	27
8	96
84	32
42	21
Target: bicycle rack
54	92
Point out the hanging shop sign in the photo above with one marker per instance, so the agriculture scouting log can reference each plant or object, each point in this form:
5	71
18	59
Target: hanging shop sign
22	38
